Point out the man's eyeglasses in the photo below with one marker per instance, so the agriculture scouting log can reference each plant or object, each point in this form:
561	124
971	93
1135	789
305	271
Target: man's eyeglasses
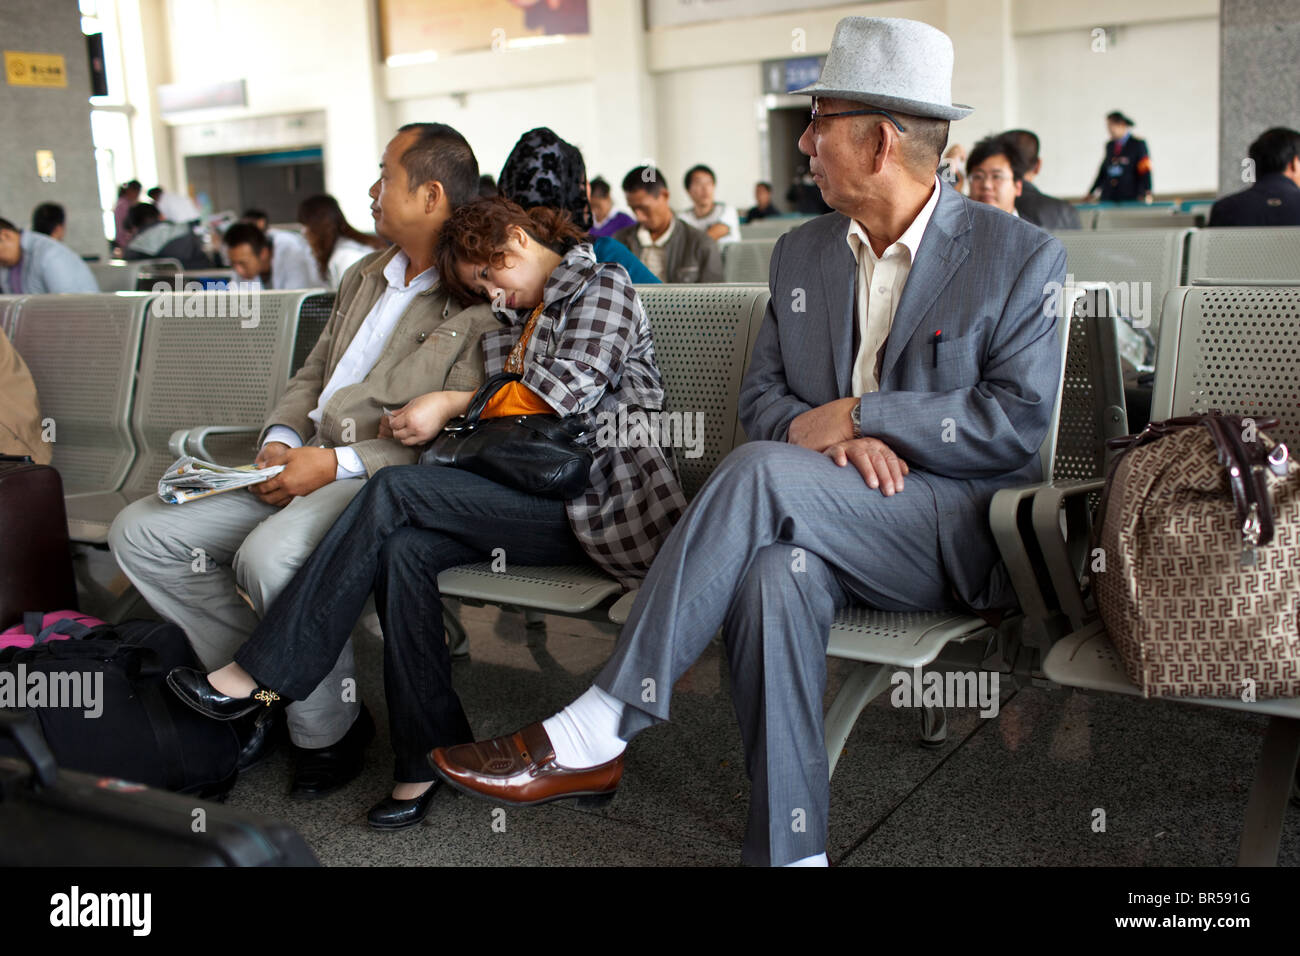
818	115
978	179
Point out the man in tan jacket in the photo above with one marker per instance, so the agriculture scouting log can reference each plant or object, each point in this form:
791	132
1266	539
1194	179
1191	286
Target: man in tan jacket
394	334
20	411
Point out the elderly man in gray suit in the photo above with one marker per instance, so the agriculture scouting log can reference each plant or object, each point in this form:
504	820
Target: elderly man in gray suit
906	369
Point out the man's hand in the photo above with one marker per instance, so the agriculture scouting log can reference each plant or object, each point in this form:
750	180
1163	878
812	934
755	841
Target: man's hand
875	461
272	454
420	419
819	428
305	470
718	230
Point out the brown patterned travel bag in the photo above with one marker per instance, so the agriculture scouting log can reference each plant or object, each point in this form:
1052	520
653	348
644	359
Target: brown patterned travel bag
1197	559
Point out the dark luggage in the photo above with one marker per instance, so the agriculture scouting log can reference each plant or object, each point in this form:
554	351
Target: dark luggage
105	709
35	556
52	817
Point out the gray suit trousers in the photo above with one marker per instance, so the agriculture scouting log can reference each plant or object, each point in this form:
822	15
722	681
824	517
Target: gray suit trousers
777	540
235	540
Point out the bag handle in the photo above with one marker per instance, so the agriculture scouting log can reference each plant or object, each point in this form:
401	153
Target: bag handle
25	730
469	421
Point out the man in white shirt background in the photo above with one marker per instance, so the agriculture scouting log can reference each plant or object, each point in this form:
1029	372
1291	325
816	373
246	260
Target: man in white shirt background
996	171
278	259
394	334
720	221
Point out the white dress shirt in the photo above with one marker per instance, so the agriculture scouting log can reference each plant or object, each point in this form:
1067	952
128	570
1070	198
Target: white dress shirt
362	353
880	286
293	266
652	250
720	213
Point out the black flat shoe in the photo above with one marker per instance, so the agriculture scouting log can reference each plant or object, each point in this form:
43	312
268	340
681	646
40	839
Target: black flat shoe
318	772
260	740
393	814
192	686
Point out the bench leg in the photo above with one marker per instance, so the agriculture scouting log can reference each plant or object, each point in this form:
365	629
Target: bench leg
457	639
1262	831
864	683
934	726
535	627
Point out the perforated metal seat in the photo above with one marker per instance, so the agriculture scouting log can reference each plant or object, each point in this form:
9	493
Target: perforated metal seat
1140	218
772	227
82	351
1127	256
313	315
1247	253
702	336
1237	349
747	260
120	275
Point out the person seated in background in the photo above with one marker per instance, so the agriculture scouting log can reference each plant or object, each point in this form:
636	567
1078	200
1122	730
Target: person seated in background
580	341
1274	199
606	220
996	170
20	409
334	243
175	207
394	333
49	219
32	263
544	170
152	238
719	220
282	260
952	167
1046	212
258	218
762	207
1125	173
671	249
487	186
804	196
127	196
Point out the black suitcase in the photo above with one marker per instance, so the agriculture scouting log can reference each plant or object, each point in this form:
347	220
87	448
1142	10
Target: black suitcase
52	817
35	556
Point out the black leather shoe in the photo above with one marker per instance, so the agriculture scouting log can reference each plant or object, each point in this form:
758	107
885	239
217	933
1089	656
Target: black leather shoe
192	686
260	740
393	814
320	771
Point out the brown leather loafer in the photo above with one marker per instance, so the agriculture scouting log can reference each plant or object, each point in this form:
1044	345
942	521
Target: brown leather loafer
520	770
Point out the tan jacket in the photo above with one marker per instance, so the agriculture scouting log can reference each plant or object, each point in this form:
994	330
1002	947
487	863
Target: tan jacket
20	412
434	346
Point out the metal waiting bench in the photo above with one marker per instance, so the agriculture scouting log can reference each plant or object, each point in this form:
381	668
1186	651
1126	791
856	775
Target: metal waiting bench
123	275
10	305
1271	252
1224	347
747	260
1152	256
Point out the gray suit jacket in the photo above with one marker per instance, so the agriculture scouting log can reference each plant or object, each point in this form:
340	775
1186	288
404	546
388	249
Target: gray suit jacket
1046	212
969	410
690	255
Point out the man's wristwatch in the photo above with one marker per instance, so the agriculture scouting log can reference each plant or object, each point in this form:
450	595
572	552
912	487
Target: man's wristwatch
855	416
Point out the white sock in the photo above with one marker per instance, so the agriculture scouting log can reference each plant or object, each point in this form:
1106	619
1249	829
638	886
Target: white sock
818	860
585	734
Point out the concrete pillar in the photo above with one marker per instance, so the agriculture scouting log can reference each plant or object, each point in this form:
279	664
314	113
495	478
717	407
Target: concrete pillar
624	94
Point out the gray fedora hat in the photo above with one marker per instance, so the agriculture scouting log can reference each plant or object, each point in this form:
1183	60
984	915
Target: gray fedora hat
894	64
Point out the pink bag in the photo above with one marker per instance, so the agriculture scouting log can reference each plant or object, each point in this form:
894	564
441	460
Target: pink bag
37	628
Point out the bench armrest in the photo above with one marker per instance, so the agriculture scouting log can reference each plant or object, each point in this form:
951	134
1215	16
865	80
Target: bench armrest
191	441
1065	551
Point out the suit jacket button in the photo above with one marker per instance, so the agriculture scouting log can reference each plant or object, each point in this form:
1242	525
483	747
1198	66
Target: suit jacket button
422	336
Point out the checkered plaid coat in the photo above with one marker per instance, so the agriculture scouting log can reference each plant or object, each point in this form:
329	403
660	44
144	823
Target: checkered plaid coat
592	351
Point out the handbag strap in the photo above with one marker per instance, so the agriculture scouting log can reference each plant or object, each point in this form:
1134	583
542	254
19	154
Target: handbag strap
480	400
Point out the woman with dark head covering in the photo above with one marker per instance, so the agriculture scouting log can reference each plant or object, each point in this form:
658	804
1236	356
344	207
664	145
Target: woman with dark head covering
544	170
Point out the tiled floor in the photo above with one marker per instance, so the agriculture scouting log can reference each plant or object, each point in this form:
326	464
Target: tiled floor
1023	788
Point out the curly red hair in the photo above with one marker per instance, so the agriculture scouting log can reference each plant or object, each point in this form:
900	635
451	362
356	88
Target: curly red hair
478	231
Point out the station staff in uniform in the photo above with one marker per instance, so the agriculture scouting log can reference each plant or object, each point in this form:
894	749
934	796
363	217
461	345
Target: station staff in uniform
1125	173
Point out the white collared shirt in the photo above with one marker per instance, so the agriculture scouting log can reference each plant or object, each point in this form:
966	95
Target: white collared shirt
652	250
880	287
362	353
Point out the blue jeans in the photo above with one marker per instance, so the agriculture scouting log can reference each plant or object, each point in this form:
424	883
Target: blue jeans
406	525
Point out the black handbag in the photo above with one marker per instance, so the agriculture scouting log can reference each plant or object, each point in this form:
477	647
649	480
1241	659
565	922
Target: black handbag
542	455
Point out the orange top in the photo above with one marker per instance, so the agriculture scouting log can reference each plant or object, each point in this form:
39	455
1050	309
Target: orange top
515	399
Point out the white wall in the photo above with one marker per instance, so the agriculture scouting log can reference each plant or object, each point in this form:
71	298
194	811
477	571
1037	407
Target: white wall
1164	75
493	121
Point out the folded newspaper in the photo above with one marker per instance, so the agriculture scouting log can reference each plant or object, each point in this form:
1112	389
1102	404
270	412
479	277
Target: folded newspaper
190	478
